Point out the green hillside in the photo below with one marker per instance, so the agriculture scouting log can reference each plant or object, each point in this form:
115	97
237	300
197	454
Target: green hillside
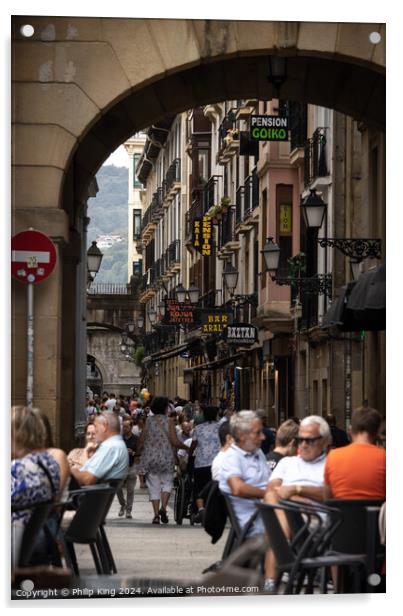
108	214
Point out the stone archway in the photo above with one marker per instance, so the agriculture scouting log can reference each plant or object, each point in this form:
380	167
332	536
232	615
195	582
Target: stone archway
81	86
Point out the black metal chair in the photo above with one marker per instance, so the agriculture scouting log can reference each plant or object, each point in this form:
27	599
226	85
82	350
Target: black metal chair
84	528
304	561
359	534
33	529
237	535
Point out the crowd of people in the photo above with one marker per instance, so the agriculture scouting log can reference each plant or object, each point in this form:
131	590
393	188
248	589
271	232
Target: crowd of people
126	438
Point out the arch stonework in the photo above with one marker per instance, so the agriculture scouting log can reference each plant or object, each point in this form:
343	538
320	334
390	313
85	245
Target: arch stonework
81	86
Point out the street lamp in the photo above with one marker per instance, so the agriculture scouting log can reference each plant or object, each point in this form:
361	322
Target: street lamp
320	284
230	275
194	293
180	293
162	307
271	253
277	72
152	315
313	209
94	259
140	322
130	327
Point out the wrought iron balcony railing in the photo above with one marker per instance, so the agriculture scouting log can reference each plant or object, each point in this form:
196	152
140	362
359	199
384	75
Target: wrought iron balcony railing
315	157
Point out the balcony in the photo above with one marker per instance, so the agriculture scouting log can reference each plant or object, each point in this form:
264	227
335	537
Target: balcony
173	258
152	216
172	182
228	242
247	202
203	200
315	157
147	285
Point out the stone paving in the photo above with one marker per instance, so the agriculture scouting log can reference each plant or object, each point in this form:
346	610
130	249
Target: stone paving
142	549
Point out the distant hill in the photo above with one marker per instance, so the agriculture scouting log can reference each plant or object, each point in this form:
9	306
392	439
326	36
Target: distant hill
108	215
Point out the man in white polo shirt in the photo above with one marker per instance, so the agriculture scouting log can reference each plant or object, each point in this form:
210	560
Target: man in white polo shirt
300	476
303	474
244	472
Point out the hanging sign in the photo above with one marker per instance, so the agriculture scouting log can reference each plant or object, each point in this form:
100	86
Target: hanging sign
33	256
241	334
285	222
269	128
214	321
203	235
177	312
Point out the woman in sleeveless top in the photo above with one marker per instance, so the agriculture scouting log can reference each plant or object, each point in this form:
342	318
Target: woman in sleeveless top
157	443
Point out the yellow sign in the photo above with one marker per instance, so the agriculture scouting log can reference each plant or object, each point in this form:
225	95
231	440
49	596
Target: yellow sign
285	225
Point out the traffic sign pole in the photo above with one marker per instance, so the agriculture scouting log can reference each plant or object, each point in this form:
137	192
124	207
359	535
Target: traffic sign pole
30	344
33	258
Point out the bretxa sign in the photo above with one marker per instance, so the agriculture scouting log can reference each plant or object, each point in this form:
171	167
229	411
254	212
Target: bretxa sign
241	334
269	128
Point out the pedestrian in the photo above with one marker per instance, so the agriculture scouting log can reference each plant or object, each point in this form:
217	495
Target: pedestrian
157	456
269	441
129	484
339	436
206	444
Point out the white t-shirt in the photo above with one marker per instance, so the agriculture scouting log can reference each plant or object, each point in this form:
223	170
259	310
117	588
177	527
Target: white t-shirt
216	465
294	470
110	404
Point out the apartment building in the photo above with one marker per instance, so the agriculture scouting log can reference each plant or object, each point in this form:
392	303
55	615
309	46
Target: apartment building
212	198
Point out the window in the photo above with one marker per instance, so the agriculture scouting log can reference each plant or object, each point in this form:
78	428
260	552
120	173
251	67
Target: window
136	182
137	268
136	224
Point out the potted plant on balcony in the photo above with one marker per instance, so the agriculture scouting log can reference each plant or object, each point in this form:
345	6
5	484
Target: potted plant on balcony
225	201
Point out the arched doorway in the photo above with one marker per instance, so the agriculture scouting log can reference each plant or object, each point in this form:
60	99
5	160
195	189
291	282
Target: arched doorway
82	86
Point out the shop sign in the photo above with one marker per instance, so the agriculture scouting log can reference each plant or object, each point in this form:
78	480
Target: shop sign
285	225
214	321
241	334
179	313
203	235
269	128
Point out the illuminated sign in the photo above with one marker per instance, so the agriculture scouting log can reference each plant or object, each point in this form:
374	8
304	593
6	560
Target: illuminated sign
269	128
178	312
214	321
203	235
241	334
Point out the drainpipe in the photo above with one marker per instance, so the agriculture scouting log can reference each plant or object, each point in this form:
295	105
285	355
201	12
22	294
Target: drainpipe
348	349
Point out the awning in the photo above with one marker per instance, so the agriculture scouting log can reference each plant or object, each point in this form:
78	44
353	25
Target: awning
361	305
218	363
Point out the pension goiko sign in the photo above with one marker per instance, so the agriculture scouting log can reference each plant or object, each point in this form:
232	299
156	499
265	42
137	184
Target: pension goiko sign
269	128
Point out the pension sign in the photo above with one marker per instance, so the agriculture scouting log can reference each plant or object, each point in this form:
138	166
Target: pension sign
269	128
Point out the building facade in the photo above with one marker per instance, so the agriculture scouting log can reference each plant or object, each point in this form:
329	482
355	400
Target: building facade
247	192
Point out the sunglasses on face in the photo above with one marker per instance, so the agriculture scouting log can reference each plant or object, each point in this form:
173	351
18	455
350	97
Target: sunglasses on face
309	441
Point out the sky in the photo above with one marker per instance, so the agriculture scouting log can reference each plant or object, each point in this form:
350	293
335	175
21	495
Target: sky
119	158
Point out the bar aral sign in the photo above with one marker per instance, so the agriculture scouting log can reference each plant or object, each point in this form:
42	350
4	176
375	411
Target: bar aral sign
269	128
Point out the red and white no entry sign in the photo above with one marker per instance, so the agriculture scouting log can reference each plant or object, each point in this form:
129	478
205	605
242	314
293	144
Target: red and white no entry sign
33	256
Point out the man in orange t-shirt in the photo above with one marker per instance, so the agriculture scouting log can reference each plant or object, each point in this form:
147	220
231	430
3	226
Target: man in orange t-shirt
358	471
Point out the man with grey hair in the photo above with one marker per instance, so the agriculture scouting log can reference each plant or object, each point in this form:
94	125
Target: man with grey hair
303	474
244	472
111	459
300	476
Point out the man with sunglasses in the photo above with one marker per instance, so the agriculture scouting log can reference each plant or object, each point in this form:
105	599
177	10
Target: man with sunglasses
300	476
303	475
